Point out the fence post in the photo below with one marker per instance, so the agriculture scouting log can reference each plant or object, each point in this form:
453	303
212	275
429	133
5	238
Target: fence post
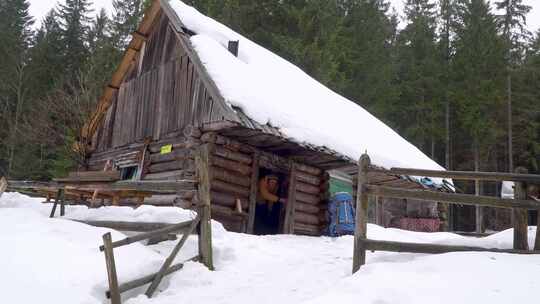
203	165
519	215
479	209
360	231
111	269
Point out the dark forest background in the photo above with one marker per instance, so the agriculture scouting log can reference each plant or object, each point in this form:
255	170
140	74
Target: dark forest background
456	79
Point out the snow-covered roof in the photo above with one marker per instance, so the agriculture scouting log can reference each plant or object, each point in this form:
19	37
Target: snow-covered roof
271	90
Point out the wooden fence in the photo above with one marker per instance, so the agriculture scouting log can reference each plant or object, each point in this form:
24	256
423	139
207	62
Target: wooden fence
519	205
115	289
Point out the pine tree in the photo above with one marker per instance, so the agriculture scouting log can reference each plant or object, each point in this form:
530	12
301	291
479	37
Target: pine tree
74	20
419	75
366	55
478	70
447	11
513	24
15	33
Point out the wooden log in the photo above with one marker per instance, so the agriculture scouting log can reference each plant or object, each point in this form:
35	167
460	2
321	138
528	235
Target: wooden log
307	188
238	191
169	175
147	235
360	231
302	228
307	208
228	212
462	175
111	269
307	198
227	200
203	164
218	125
159	186
231	177
230	144
309	169
170	259
375	245
145	280
290	208
232	155
167	166
520	216
253	191
454	198
307	178
231	165
134	226
177	154
112	175
192	131
306	218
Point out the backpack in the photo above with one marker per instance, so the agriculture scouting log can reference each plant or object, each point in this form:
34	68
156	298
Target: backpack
341	215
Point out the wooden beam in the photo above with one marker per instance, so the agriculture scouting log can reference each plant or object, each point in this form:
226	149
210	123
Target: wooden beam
375	245
452	198
253	191
134	226
111	269
151	234
462	175
203	166
147	186
360	231
170	259
288	226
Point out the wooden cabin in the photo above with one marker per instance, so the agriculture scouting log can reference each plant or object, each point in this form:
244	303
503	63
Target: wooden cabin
161	106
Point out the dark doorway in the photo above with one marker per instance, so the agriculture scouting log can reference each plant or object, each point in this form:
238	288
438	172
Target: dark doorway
271	199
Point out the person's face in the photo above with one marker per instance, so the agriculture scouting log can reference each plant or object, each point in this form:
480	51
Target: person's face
272	185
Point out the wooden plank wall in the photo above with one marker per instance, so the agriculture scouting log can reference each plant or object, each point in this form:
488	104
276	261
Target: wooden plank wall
161	94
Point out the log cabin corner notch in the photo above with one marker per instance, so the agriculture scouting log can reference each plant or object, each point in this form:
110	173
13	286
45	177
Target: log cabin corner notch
161	106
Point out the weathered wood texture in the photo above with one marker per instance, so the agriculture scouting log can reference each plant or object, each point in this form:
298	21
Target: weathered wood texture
377	245
360	232
520	216
111	269
160	98
204	174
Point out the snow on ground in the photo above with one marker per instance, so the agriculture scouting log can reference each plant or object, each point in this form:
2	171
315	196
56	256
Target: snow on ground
271	90
57	260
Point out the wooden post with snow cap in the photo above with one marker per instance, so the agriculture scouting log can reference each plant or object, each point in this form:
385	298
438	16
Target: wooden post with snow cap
360	232
519	215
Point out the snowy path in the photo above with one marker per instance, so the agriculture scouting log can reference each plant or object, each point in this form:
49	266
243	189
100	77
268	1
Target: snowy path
54	260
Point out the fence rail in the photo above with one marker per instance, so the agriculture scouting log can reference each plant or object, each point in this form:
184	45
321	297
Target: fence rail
519	205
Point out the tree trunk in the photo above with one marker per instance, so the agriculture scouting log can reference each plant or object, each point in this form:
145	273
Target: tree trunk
510	142
18	87
479	209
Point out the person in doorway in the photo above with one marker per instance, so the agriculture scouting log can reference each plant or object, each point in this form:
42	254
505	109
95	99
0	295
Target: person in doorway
269	205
